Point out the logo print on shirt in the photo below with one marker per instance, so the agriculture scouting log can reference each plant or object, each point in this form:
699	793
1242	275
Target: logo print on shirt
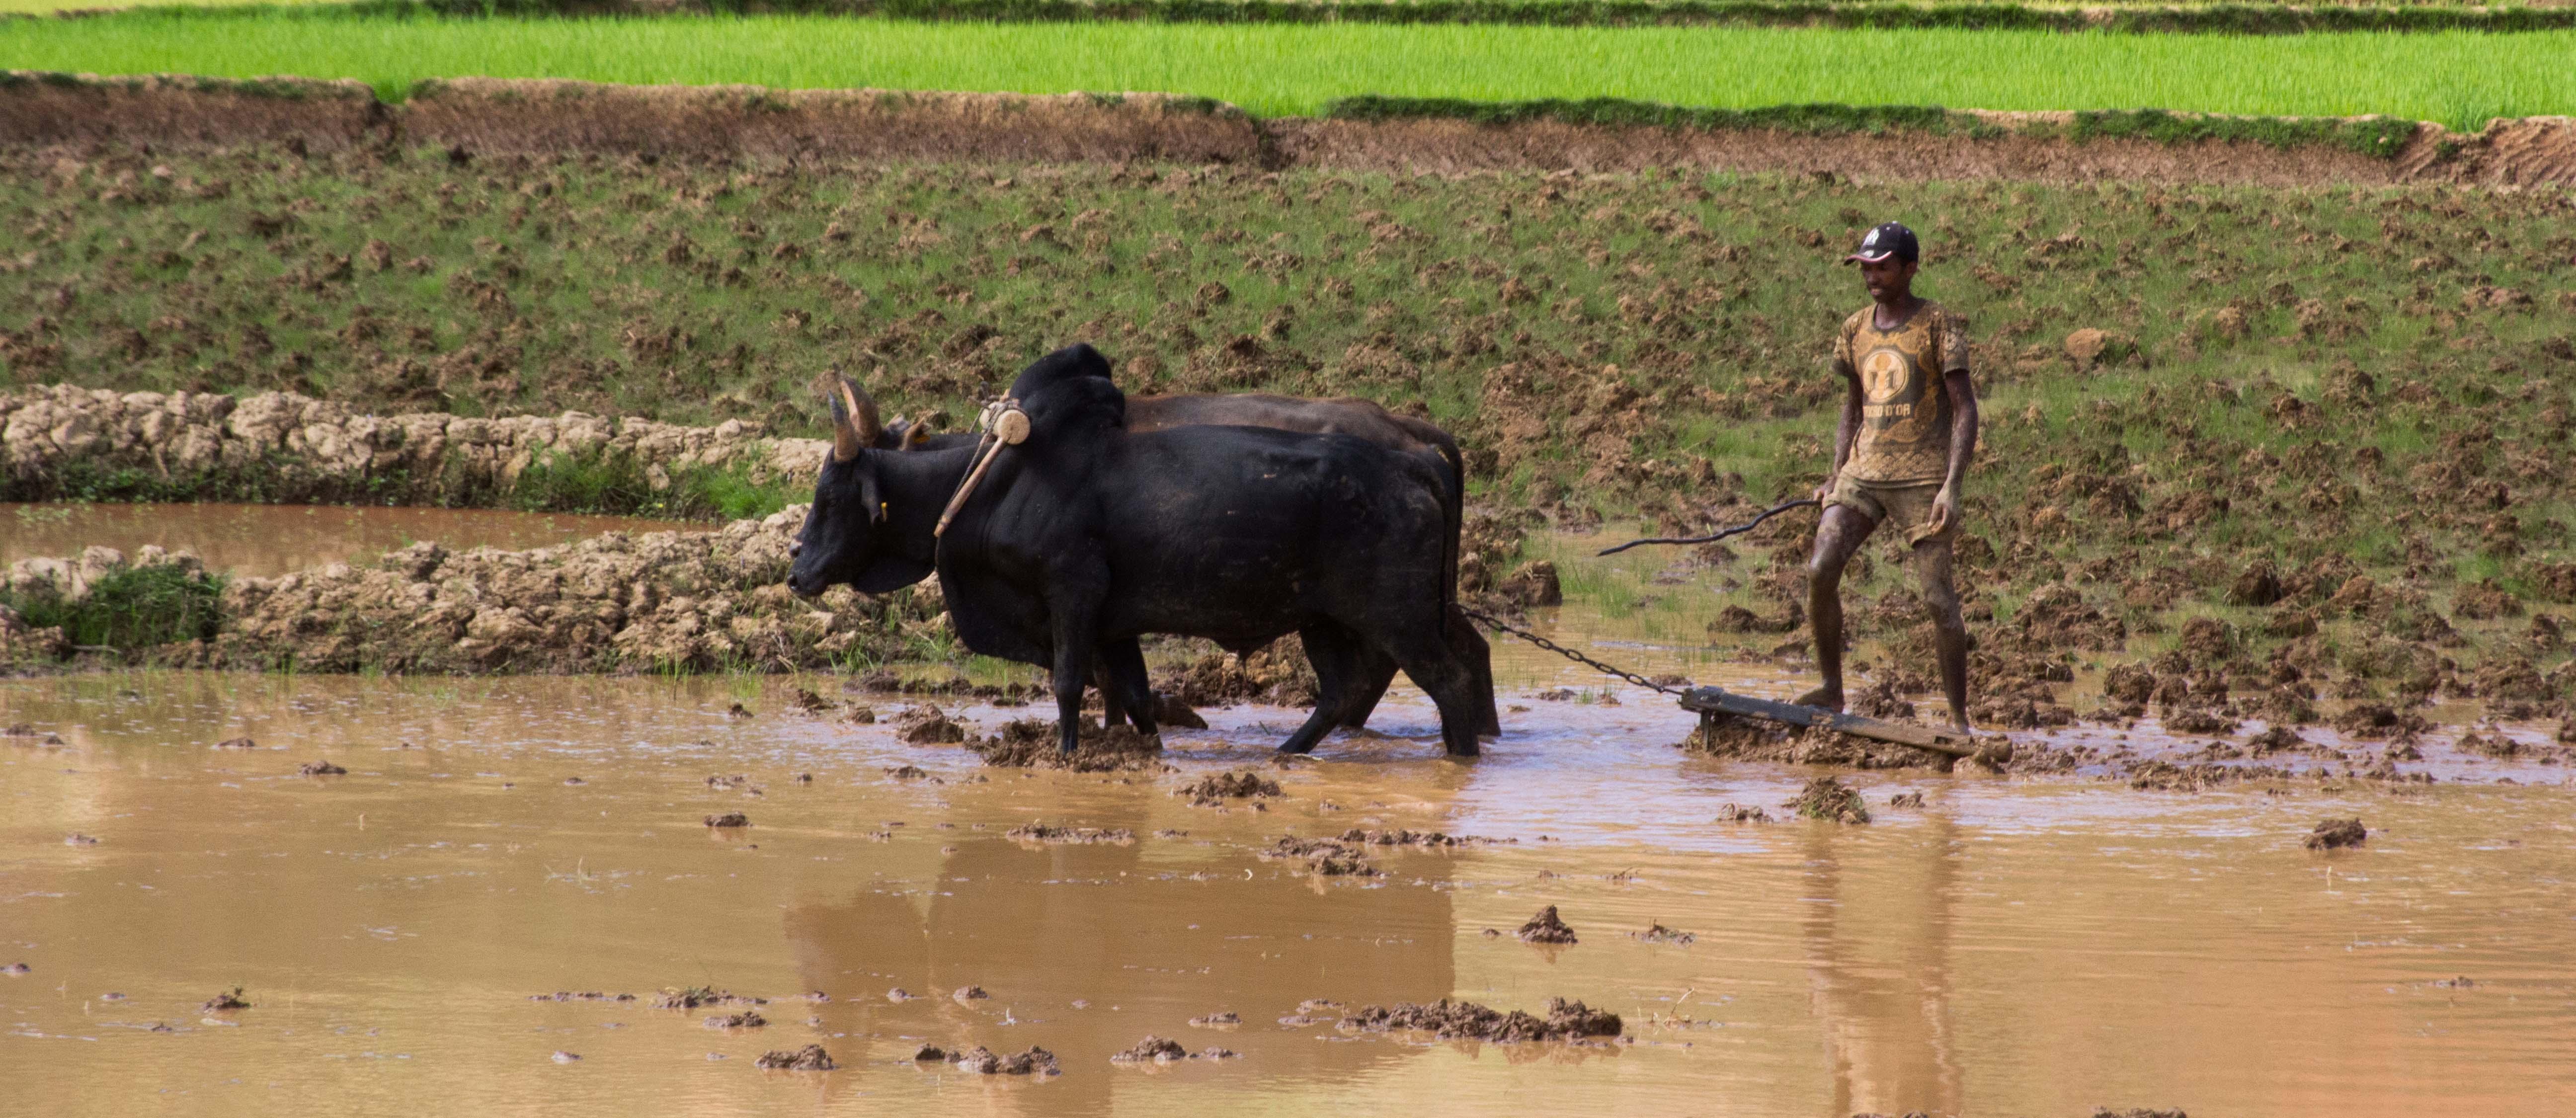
1885	375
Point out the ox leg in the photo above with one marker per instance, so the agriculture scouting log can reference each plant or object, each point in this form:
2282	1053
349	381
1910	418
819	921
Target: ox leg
1376	671
1471	649
1425	655
1335	652
1111	712
1073	656
1124	685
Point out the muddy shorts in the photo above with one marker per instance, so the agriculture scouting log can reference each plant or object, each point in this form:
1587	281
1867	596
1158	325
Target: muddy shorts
1904	507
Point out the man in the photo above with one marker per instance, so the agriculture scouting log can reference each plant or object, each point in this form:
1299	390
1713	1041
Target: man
1909	426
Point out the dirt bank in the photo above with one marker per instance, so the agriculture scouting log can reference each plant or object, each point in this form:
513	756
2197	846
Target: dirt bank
279	446
683	601
553	117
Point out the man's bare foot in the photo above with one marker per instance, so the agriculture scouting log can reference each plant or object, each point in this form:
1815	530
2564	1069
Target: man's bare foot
1830	698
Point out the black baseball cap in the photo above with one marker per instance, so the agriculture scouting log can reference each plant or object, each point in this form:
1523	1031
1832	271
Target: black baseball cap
1890	239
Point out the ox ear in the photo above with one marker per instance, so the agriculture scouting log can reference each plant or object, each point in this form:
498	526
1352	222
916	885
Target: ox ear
916	435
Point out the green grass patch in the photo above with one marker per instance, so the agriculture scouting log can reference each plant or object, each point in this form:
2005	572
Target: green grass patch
130	609
607	485
2458	78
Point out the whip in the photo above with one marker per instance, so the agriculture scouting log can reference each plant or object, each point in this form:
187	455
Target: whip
1738	530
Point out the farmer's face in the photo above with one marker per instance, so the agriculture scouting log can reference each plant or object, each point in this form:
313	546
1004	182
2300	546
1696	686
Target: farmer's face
1887	279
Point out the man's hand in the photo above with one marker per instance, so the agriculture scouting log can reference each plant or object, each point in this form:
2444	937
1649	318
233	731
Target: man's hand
1945	508
1825	491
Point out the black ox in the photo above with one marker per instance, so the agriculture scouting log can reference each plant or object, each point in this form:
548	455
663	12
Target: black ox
1087	536
1348	415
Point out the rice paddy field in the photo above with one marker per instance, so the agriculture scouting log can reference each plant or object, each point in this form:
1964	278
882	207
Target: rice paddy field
2459	79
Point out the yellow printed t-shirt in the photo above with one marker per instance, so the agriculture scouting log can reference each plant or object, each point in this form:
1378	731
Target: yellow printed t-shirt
1904	415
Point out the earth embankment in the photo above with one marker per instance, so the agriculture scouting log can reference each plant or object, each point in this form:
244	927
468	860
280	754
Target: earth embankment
539	117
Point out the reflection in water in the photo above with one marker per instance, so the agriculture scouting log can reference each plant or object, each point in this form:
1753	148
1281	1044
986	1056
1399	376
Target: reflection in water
1878	956
277	539
2015	947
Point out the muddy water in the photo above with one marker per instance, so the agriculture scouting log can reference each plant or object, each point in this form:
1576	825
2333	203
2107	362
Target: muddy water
276	539
2013	947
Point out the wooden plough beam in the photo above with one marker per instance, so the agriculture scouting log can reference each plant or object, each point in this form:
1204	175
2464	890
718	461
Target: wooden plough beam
1718	700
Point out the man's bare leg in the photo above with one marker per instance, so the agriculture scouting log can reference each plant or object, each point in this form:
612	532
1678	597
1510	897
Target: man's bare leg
1932	562
1838	538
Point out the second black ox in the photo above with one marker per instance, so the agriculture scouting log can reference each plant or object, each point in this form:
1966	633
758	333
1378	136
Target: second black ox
1086	536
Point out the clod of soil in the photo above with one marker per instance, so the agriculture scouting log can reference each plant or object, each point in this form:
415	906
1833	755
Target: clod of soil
231	999
237	743
811	703
907	772
2370	721
14	970
929	1054
1546	928
966	994
2194	720
737	710
563	1057
1912	800
320	768
1827	798
1413	838
899	995
2138	1112
983	1062
927	725
1030	743
1040	832
1152	1050
861	715
729	819
78	839
691	997
1738	813
1457	1020
1662	934
809	1058
585	996
1217	1021
1323	857
2335	834
1238	784
745	1019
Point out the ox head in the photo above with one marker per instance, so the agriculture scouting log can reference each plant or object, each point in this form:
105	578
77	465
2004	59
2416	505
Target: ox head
848	537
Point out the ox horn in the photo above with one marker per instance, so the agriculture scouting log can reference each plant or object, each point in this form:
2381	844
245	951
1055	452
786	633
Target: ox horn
855	423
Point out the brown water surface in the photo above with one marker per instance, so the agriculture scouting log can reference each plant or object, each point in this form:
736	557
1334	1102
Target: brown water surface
2011	948
276	539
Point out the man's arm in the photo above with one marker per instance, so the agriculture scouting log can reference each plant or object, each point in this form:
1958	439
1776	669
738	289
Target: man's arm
1963	445
1846	430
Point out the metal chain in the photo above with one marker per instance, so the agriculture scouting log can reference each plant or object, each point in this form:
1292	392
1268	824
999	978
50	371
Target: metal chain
1568	653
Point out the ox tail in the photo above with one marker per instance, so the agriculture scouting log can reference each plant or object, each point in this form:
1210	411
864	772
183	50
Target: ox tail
1455	508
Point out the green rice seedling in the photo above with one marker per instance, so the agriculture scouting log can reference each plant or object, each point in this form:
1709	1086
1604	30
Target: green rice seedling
2459	78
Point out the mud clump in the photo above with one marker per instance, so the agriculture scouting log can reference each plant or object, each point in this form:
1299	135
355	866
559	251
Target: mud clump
1426	840
1459	1020
228	1000
2199	720
693	997
982	1061
1661	934
583	996
729	820
236	743
1278	675
2336	834
809	1058
320	768
1152	1050
1829	799
928	725
1070	836
1323	857
2138	1112
18	970
2371	721
1217	1021
1239	784
1546	927
1739	813
744	1019
1030	743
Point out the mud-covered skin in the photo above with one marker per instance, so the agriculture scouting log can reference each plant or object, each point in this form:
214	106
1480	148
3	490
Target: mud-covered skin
1085	535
